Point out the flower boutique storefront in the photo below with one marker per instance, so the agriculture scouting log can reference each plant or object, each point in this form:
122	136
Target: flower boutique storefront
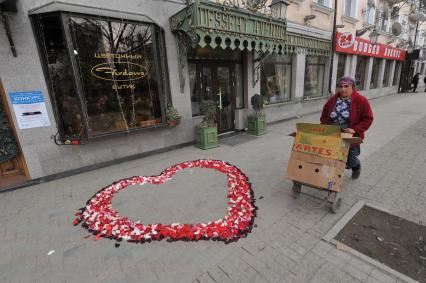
105	78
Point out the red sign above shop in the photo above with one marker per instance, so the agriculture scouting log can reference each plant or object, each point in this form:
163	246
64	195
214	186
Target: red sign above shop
347	43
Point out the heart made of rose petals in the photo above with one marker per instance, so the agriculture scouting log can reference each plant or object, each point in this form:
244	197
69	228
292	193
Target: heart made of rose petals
102	220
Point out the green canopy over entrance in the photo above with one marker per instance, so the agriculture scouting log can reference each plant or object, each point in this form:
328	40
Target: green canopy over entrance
212	24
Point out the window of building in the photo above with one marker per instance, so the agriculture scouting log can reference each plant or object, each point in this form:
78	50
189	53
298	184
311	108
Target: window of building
314	77
360	72
351	8
326	3
370	14
275	80
341	62
386	74
104	74
382	19
397	73
375	73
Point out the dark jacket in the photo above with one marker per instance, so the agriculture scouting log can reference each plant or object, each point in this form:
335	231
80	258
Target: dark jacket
415	80
361	115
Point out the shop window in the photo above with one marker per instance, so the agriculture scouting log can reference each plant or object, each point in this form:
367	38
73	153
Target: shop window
375	73
314	77
275	80
341	62
104	73
397	73
386	74
361	68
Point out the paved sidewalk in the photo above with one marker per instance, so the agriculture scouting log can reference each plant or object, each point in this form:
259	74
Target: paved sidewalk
285	246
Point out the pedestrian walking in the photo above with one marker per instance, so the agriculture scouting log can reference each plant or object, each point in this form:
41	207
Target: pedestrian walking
352	112
415	81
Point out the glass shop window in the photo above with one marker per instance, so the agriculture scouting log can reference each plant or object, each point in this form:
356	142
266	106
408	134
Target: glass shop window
386	75
314	77
275	79
107	78
397	73
360	72
375	73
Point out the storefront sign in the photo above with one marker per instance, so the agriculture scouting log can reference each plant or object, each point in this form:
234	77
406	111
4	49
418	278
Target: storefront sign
30	109
348	43
226	21
122	74
119	71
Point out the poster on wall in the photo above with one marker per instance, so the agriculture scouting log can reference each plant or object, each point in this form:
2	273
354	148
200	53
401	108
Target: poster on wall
30	109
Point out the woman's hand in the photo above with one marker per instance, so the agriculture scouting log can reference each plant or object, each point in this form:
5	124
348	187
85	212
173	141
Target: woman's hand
349	130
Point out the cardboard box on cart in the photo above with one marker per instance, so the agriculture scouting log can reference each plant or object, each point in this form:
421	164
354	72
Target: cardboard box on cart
319	155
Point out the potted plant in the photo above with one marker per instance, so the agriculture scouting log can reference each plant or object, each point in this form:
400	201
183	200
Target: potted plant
257	120
172	116
206	131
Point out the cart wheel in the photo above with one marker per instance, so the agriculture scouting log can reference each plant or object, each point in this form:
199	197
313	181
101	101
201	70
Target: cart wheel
297	188
335	205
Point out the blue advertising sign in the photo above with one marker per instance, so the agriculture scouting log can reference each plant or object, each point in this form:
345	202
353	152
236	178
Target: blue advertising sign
30	109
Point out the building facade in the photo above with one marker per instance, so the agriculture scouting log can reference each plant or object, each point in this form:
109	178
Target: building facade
83	85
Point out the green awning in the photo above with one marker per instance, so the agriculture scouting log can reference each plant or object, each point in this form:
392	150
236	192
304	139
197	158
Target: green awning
211	24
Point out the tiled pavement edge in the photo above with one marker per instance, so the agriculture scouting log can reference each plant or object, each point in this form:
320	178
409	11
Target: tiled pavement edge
285	246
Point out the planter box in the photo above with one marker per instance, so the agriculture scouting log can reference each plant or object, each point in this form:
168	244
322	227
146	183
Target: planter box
206	138
256	125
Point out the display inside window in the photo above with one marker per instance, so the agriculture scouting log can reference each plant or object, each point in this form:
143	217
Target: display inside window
66	102
361	67
375	73
314	77
106	79
275	79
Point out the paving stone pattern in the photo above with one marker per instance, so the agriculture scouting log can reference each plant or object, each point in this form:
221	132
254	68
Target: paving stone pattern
285	246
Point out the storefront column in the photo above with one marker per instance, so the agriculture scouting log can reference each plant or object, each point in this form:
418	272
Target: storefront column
333	72
298	79
352	65
381	73
367	76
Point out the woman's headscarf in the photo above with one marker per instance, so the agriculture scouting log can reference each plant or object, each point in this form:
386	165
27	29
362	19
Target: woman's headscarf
347	80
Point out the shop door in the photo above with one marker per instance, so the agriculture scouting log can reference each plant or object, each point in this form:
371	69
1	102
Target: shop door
216	82
13	170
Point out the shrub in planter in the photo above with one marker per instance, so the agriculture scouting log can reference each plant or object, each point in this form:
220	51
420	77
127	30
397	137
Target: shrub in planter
206	131
257	120
172	116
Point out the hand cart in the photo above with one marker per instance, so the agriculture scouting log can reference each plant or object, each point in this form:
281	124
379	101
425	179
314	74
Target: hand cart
332	198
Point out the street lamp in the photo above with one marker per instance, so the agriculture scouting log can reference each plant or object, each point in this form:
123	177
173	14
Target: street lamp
279	7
